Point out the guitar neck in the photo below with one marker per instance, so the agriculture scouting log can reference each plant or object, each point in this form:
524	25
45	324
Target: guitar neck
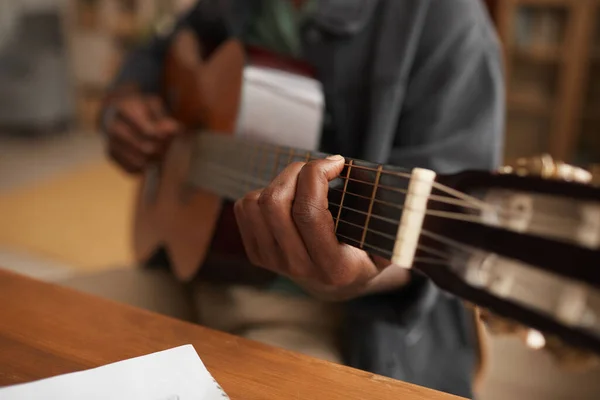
432	224
366	201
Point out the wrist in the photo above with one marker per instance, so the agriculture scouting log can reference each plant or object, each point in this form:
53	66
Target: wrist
390	279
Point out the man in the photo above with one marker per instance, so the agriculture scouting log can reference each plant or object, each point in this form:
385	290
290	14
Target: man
406	82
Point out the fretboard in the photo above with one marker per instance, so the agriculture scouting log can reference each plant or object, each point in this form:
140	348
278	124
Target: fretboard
365	201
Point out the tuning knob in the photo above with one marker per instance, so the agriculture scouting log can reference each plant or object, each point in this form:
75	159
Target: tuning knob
546	167
568	357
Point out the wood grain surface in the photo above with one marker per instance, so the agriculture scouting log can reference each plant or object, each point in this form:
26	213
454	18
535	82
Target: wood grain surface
46	330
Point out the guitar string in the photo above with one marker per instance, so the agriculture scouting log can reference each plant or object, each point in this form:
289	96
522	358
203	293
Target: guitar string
562	220
379	249
557	220
394	238
548	219
378	217
390	253
443	214
445	257
235	194
307	156
469	202
381	218
406	175
469	250
447	200
470	217
387	252
466	217
263	183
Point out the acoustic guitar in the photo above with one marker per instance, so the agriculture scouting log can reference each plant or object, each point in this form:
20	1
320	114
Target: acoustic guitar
521	243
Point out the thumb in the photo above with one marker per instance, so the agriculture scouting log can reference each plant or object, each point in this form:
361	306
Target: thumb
332	166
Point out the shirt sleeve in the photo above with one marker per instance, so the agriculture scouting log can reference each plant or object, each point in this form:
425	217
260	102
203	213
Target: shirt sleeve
143	65
453	115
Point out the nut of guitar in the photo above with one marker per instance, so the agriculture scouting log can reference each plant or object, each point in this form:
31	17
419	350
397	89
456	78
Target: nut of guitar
546	167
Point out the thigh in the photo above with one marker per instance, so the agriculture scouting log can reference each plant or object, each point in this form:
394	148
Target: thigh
299	324
151	289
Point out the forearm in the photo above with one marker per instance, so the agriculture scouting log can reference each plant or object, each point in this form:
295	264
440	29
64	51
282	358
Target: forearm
140	71
142	67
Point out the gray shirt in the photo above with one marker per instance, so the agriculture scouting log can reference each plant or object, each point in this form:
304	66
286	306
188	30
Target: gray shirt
406	82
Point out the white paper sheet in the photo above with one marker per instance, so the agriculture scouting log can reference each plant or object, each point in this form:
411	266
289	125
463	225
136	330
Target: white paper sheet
281	108
175	374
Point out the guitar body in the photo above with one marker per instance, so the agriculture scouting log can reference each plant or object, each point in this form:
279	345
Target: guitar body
169	216
207	94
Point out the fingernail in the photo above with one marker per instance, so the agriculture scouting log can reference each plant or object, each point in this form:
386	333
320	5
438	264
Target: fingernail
335	158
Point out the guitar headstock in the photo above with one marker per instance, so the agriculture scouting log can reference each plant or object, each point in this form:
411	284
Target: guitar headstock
524	243
568	356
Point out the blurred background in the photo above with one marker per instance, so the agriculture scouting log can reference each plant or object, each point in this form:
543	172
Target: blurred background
65	211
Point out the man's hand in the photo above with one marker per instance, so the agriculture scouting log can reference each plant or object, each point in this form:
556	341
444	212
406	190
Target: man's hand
138	130
288	229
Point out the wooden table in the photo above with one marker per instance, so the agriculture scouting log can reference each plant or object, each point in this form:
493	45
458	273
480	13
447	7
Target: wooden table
46	330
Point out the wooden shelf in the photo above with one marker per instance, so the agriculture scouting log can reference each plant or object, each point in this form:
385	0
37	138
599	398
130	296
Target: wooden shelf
524	101
557	52
541	54
546	3
592	113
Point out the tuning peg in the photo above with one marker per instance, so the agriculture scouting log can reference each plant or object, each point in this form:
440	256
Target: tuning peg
546	167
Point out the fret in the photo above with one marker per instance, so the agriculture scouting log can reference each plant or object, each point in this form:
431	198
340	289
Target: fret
368	215
363	193
354	208
337	220
364	234
390	199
